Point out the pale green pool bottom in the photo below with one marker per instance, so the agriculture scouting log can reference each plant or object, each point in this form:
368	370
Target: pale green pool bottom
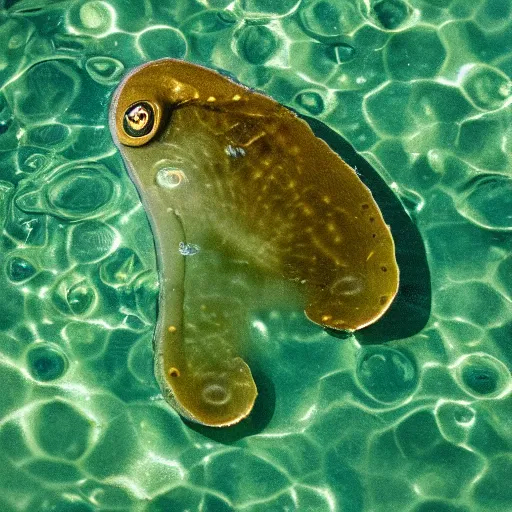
417	423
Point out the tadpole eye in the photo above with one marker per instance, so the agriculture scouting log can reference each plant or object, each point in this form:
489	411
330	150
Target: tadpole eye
139	119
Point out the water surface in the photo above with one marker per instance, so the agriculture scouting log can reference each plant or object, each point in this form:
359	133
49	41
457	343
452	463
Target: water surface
411	415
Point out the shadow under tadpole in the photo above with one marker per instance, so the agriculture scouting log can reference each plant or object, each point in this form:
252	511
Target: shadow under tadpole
410	310
407	315
255	423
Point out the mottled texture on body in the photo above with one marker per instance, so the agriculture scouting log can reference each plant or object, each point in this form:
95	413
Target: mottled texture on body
275	217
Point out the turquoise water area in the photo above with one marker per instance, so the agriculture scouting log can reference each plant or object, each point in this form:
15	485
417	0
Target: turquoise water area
412	415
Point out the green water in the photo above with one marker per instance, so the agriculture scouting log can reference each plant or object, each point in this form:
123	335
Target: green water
412	415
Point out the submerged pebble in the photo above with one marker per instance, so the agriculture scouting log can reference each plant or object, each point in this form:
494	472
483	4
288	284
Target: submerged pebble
311	101
19	269
388	375
487	201
46	362
482	375
391	13
160	42
257	44
415	53
487	88
73	295
81	193
344	52
61	430
71	191
104	70
47	90
94	17
327	19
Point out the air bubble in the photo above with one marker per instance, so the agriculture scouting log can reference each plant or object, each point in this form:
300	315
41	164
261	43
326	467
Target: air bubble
486	87
46	362
93	18
234	152
188	249
483	376
386	374
344	53
464	415
19	269
455	421
311	101
80	298
104	70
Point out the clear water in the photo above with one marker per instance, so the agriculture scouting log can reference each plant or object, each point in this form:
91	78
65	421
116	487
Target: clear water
412	415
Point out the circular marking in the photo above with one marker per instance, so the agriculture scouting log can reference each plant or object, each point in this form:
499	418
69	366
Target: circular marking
215	394
170	178
174	372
